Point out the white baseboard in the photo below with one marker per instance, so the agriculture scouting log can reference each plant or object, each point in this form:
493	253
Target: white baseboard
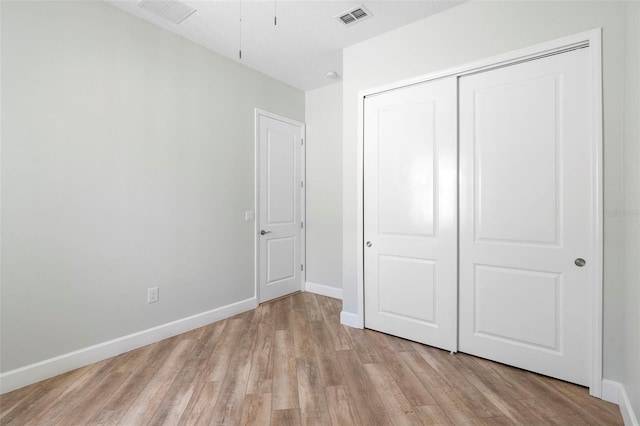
615	392
323	290
630	418
42	370
351	320
611	391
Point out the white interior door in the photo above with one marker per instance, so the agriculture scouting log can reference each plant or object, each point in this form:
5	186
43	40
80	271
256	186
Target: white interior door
526	144
410	225
280	213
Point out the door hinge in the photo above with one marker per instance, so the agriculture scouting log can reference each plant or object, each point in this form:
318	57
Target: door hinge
302	267
301	184
301	224
301	141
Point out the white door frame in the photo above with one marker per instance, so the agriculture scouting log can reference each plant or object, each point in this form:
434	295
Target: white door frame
592	39
303	201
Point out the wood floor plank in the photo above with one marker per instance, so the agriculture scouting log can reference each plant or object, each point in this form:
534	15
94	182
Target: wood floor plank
256	409
313	308
497	391
40	398
198	410
298	301
172	409
339	336
195	334
11	400
303	341
363	347
283	309
285	383
562	409
432	415
291	362
491	380
179	393
545	413
147	402
444	396
517	377
325	304
363	395
444	364
93	402
120	401
261	375
313	406
413	389
400	345
132	362
219	360
497	421
199	365
73	396
581	401
289	417
327	361
337	305
340	407
174	403
228	407
396	404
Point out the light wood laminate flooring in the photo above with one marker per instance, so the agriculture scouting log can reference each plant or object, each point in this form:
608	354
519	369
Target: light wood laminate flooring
290	362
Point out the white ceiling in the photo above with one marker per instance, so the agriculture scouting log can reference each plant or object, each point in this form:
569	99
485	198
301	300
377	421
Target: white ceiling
307	41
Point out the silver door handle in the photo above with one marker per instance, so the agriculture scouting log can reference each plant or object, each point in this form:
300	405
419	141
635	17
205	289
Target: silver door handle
263	232
580	262
368	243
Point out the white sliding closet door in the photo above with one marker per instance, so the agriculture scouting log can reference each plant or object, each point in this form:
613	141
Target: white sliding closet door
526	215
410	228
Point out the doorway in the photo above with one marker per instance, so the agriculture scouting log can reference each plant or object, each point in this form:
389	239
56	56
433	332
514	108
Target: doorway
280	202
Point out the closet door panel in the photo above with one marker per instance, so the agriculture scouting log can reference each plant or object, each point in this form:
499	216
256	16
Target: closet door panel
410	226
525	215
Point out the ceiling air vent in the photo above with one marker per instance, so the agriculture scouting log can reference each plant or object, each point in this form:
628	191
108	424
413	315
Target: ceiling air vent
354	15
173	11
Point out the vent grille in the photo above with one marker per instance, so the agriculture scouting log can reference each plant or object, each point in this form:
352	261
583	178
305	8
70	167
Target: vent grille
354	15
171	10
347	19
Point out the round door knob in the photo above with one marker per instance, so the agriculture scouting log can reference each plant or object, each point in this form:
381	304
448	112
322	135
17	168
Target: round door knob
580	262
368	243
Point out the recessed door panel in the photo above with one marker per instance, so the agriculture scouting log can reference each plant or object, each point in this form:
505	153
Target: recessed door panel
407	288
280	258
410	206
281	176
525	215
526	311
519	203
406	169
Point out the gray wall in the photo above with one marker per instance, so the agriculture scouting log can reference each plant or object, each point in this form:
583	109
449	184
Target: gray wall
481	29
127	163
631	373
324	185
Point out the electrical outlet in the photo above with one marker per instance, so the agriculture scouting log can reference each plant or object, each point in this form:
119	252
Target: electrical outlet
153	294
